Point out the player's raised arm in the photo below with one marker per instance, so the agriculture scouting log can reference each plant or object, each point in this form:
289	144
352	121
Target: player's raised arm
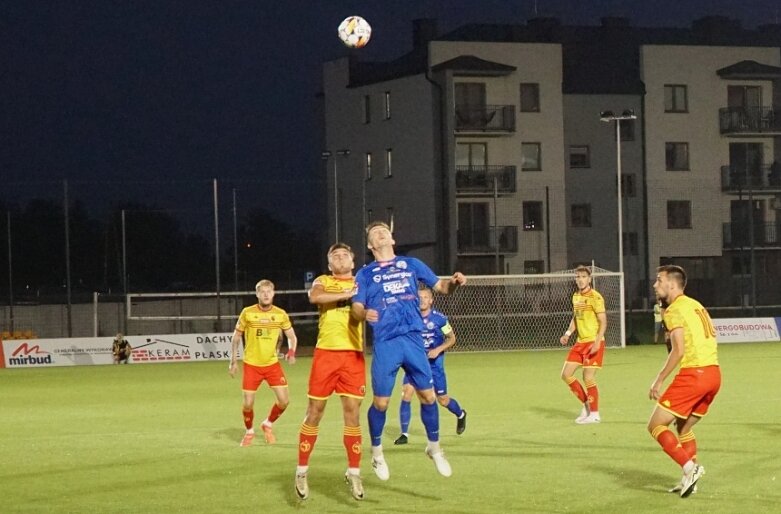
319	296
448	286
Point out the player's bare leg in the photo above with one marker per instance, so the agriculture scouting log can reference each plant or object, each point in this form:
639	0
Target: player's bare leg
247	405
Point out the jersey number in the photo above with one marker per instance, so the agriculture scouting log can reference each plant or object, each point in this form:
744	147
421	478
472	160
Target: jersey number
707	324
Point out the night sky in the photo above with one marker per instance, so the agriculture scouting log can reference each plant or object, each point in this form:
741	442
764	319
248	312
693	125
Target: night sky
109	93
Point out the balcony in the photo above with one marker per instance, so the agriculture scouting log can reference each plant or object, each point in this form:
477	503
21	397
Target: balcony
748	121
472	179
495	240
485	119
766	235
759	179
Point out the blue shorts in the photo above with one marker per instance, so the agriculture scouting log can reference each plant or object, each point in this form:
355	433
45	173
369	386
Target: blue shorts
439	377
404	352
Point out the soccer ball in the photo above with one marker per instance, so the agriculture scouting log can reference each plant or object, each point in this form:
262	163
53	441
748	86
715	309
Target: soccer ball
355	32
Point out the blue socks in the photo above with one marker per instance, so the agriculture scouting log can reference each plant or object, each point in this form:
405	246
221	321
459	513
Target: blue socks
405	415
454	407
429	414
376	425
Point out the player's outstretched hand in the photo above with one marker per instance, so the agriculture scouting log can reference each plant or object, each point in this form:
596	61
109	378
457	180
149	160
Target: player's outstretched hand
458	278
232	368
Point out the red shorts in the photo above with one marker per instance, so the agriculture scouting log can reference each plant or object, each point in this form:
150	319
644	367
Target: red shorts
255	375
579	353
691	392
337	371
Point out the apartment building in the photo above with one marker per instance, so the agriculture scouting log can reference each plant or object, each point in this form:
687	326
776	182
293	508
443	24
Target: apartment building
485	147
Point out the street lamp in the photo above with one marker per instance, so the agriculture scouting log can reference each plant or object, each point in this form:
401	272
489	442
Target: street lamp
325	155
608	117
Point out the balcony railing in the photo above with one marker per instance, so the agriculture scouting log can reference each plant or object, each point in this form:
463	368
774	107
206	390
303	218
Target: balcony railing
736	235
743	120
502	239
488	118
480	179
758	178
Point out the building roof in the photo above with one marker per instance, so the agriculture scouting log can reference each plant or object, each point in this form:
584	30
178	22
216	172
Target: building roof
600	59
469	65
749	70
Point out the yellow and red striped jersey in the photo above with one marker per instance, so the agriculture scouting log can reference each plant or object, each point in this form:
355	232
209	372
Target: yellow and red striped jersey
261	329
585	308
337	329
699	336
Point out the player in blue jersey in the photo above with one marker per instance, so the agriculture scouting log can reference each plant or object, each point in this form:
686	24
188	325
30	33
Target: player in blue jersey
438	336
387	298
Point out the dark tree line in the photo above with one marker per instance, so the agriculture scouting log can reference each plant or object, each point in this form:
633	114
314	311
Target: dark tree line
161	256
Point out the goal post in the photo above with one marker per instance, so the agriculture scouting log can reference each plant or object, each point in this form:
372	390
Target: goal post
525	312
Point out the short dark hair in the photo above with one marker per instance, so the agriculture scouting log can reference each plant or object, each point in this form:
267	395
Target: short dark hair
676	272
340	246
424	287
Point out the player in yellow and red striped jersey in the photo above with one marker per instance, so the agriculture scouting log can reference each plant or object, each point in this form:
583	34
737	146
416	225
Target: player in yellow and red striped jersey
590	321
697	383
337	367
261	325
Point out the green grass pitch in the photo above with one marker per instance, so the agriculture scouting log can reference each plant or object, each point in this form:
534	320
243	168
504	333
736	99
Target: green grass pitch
165	438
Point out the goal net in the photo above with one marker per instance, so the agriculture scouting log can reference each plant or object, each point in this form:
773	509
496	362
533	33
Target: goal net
526	312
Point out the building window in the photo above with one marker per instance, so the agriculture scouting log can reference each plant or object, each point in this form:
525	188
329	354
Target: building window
367	109
675	98
473	225
530	98
532	216
581	215
471	154
388	162
676	156
679	214
628	185
579	156
387	105
533	267
368	166
627	130
531	158
630	243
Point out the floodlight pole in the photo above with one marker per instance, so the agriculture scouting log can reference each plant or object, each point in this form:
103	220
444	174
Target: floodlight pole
608	117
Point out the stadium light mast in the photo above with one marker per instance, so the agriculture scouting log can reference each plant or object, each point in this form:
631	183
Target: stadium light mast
325	155
610	117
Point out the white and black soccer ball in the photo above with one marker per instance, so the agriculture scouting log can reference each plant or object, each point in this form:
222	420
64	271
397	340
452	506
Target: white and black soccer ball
355	32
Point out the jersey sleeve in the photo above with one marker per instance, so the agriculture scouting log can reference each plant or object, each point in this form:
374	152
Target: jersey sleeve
360	288
598	304
241	324
424	273
673	319
286	323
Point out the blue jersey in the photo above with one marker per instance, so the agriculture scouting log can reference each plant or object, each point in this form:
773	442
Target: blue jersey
435	328
391	288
